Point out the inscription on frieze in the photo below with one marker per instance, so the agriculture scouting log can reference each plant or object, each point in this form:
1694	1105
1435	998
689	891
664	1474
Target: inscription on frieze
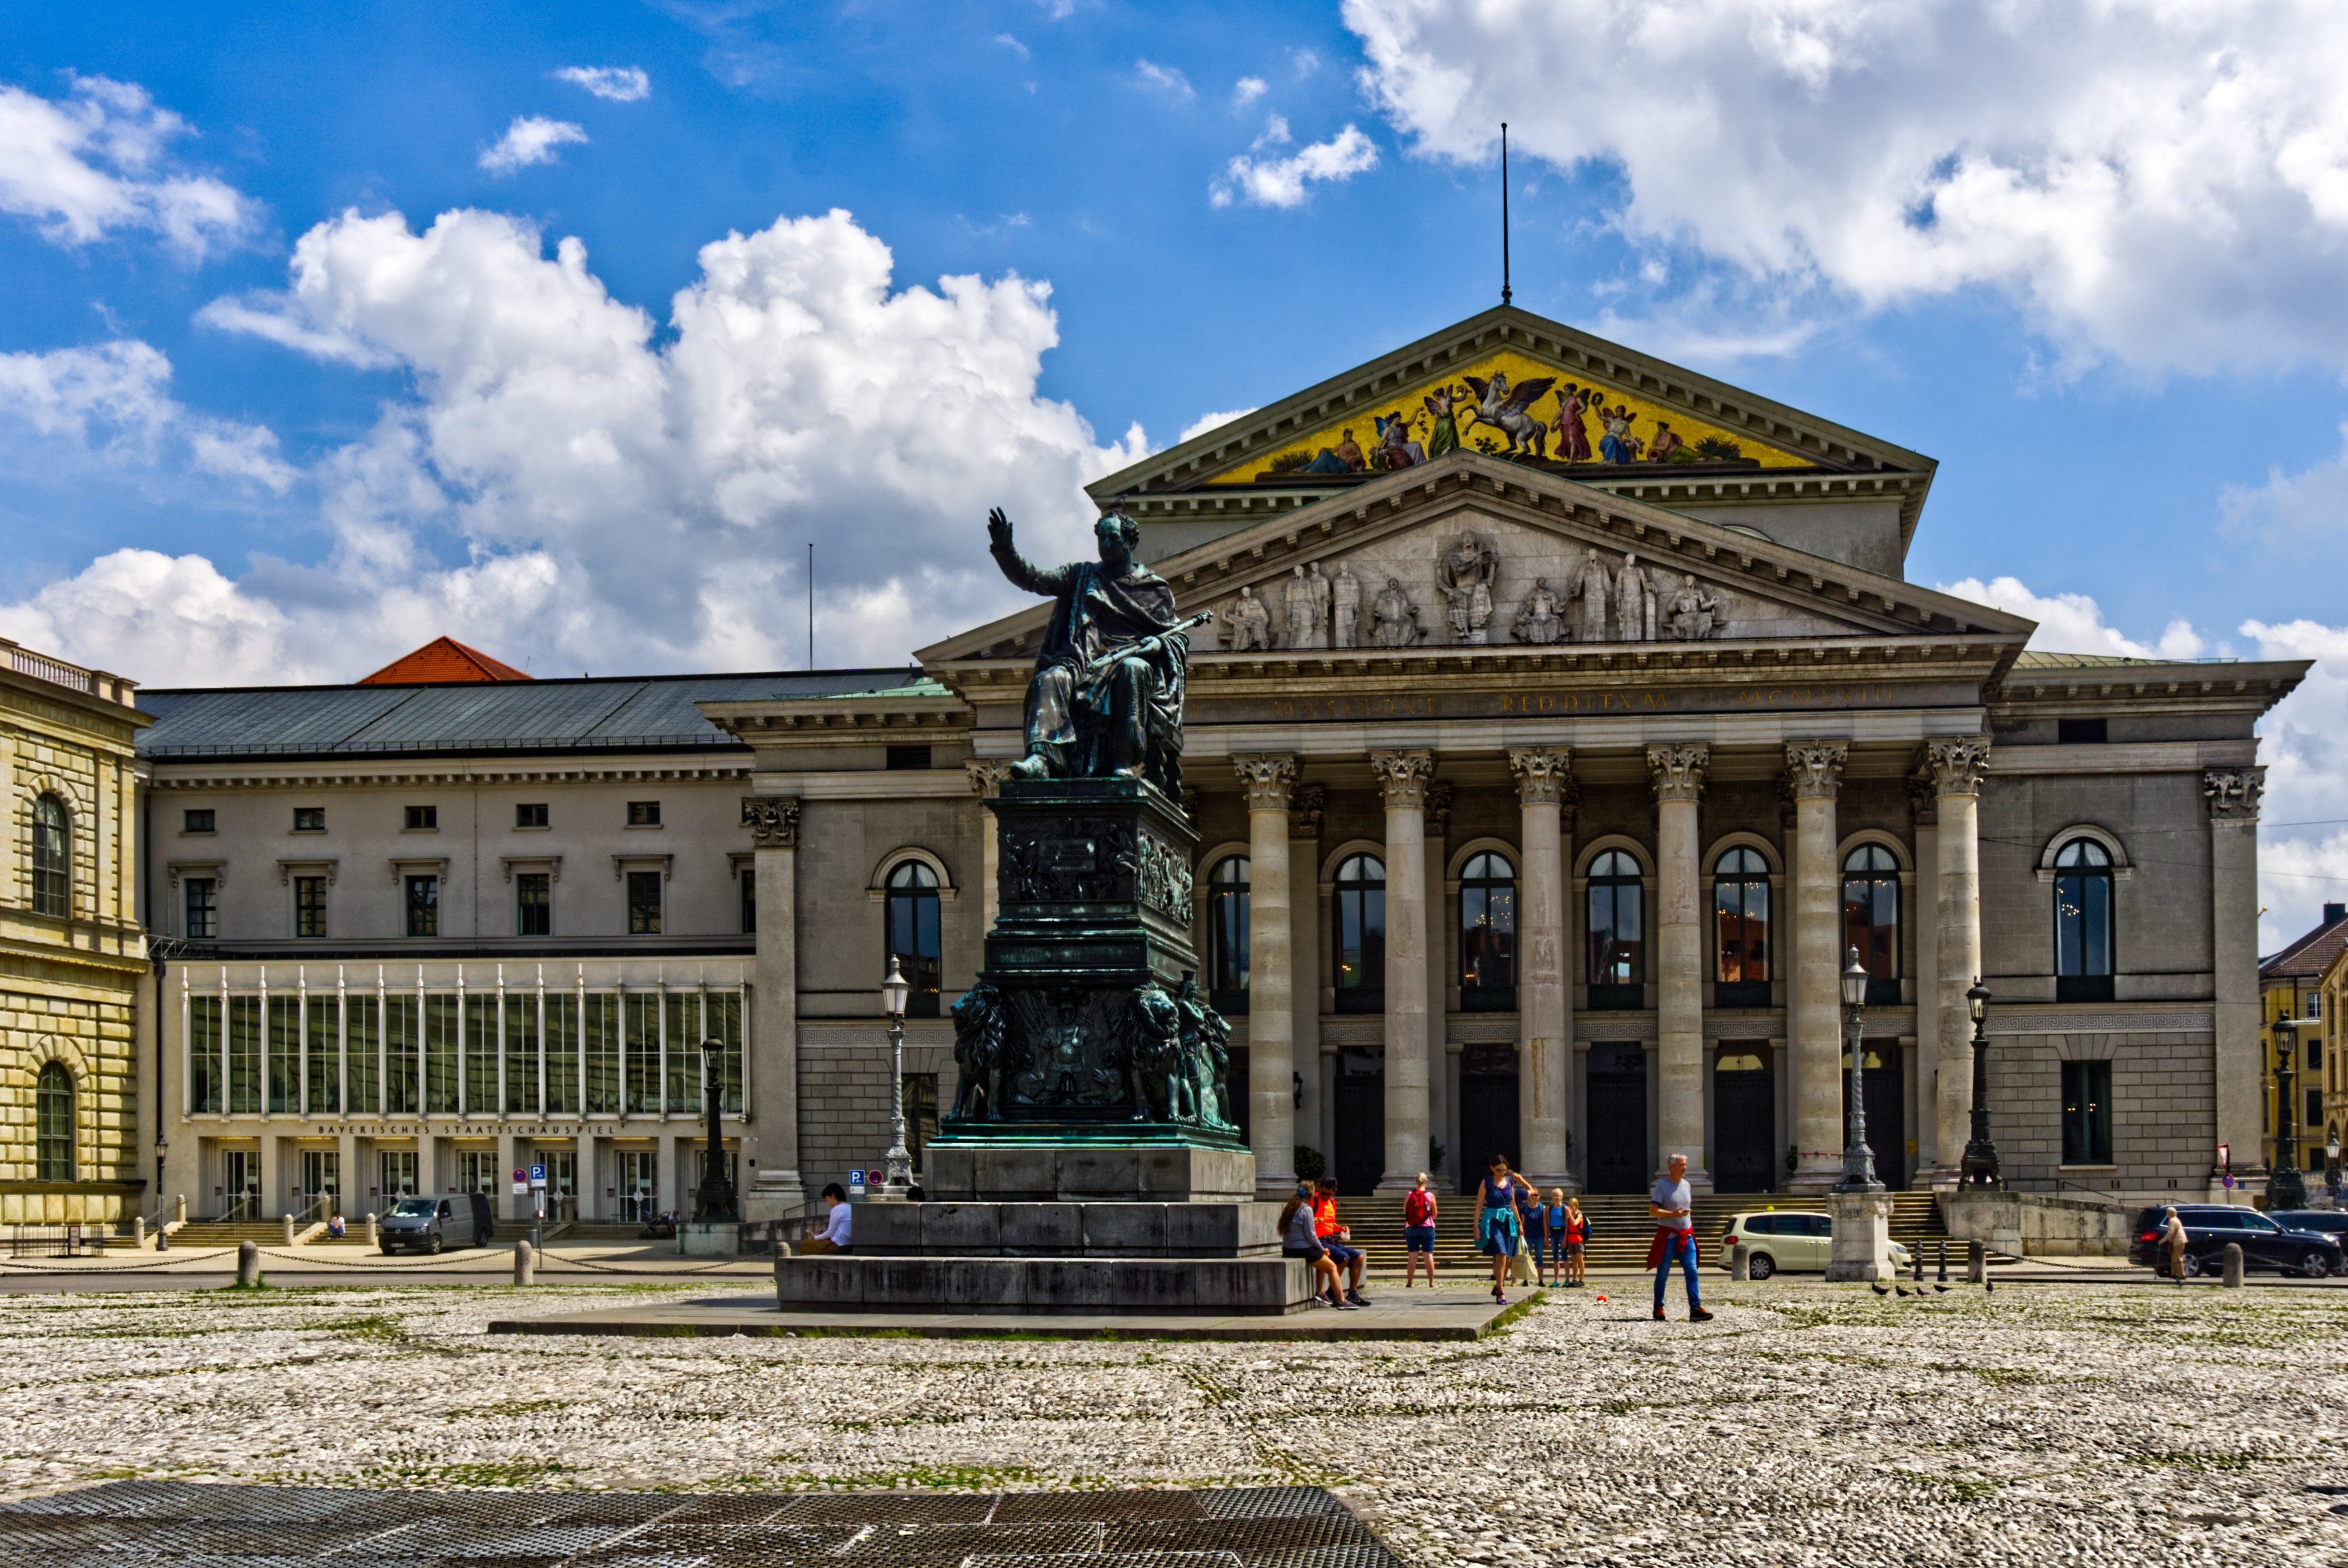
1616	700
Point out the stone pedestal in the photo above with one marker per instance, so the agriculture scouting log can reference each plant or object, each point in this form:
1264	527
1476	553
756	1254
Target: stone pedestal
1862	1235
708	1238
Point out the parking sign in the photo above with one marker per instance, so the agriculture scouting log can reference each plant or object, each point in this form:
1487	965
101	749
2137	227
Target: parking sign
538	1176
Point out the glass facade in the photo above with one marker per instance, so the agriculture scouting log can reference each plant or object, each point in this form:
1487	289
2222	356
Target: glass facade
2083	922
1362	935
1617	971
1227	934
1487	935
1740	916
913	934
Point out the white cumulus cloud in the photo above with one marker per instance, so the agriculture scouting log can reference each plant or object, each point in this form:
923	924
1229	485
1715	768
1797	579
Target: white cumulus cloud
2074	622
1283	182
2160	181
115	400
621	83
1249	90
100	160
530	139
1206	421
1166	78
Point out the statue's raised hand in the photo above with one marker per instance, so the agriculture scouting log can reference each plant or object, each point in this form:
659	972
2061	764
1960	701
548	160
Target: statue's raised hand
998	529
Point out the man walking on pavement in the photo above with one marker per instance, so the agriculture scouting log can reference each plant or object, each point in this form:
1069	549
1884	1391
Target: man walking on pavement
2173	1238
1672	1206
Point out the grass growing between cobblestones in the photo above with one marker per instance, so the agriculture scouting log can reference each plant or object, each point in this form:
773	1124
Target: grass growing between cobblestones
1810	1424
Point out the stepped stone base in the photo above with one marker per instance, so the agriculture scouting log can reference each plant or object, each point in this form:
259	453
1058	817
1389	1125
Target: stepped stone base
1111	1230
1003	1170
1048	1285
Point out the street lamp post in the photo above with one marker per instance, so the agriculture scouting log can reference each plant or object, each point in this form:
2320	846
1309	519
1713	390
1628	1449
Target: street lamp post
2331	1166
900	1162
714	1200
1980	1167
1858	1159
2286	1188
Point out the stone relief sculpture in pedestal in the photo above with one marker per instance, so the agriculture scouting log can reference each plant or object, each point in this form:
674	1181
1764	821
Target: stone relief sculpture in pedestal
1299	601
1397	619
1346	600
1465	573
1250	622
1635	615
1691	611
1540	619
1591	585
1319	587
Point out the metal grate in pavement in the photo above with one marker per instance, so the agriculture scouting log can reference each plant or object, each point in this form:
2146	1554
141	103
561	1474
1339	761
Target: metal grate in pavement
179	1524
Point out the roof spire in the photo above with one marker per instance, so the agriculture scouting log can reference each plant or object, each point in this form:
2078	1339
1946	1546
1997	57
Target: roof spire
1505	289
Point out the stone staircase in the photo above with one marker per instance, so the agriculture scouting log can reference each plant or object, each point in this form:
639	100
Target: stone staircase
216	1233
1619	1230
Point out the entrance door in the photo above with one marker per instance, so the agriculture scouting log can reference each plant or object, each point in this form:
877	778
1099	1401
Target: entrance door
562	1182
394	1177
322	1183
638	1171
1361	1154
1619	1157
1885	1095
1487	1125
240	1192
1745	1121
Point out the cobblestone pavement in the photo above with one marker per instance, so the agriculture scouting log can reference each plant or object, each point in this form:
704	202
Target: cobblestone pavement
1809	1424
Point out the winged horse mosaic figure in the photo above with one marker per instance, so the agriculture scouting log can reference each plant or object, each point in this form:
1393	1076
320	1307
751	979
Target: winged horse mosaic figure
1506	409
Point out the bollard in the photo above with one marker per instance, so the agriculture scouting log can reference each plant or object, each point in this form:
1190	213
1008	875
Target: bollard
289	1228
2233	1280
1976	1263
1917	1258
248	1264
162	1238
1740	1262
1944	1260
525	1264
373	1239
180	1209
138	1230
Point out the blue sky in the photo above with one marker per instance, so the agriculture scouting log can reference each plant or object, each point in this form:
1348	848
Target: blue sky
260	418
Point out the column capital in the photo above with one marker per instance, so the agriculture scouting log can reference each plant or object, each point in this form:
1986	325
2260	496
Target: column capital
1814	768
773	821
1678	771
1955	767
1267	779
1438	810
1544	776
1923	805
1305	805
2233	792
986	775
1403	777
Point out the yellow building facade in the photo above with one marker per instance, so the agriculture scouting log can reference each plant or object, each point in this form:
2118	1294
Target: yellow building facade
2296	997
73	958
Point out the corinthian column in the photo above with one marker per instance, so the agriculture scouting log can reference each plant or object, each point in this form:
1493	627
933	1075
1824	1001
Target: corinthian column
986	778
1678	773
1271	976
1814	775
774	1064
1403	777
2233	797
1544	1067
1955	768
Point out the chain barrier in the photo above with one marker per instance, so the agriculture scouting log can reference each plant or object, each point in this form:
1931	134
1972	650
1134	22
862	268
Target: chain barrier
580	1266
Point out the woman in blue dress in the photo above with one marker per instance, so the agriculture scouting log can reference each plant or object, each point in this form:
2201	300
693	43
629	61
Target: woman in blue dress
1496	1223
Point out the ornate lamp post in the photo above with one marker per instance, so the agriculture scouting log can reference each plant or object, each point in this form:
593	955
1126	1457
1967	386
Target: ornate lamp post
714	1200
1858	1159
1980	1167
2286	1188
2331	1166
900	1162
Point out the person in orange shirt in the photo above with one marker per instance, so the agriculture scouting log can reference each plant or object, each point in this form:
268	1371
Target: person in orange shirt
1333	1237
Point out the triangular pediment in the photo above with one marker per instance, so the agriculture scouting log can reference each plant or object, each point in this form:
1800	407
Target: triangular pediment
1399	533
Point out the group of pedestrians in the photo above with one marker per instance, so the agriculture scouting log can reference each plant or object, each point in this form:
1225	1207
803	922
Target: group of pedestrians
1540	1242
1310	1229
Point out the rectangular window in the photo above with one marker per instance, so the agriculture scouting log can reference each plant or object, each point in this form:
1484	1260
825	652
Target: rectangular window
644	902
360	1074
403	1055
2314	1109
642	1086
423	819
534	903
440	1054
481	1055
531	815
749	877
424	906
2083	731
309	819
309	905
321	1054
196	821
561	1053
722	1020
476	1171
902	757
683	1011
2086	1112
2315	1004
522	1054
243	1055
204	1055
599	1031
203	921
644	814
284	1054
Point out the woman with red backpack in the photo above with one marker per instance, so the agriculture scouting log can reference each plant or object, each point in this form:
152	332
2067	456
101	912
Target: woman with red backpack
1418	1232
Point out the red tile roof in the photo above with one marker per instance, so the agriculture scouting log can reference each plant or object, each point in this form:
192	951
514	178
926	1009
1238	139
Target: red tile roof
2312	954
442	662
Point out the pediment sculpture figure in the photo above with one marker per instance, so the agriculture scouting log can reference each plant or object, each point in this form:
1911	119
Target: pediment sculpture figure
1250	622
1633	613
1540	619
1106	700
1396	618
1346	606
1319	587
1298	599
1465	573
1591	585
1692	611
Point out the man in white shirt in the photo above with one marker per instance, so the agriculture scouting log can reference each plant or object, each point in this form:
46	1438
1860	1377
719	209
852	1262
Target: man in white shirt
837	1218
1672	1206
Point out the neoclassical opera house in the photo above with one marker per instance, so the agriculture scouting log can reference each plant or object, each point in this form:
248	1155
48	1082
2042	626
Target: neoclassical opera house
1568	717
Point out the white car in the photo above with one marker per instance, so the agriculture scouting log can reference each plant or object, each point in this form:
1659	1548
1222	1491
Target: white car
1778	1241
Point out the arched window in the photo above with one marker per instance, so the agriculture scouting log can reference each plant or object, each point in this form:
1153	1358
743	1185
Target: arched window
1362	935
1227	934
53	1124
1488	936
2083	922
913	934
1870	918
1617	924
1740	917
52	857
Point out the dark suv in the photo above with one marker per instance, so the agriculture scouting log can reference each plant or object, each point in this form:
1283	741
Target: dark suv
2209	1226
430	1223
